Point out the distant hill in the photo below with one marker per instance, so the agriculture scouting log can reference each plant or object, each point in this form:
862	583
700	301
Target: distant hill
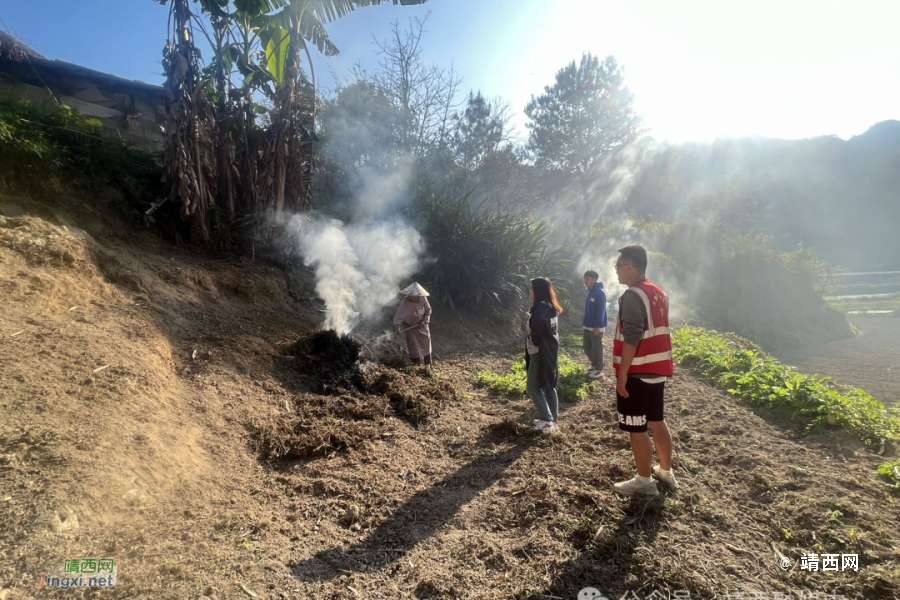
841	198
884	137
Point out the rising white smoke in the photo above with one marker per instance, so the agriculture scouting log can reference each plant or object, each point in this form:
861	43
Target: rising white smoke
600	194
360	265
601	257
600	199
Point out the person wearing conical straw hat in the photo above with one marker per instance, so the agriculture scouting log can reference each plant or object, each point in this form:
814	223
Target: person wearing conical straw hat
412	318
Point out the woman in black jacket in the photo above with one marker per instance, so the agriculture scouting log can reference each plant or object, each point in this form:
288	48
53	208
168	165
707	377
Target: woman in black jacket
542	354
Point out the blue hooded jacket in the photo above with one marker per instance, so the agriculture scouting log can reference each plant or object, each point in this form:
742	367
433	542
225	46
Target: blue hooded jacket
595	307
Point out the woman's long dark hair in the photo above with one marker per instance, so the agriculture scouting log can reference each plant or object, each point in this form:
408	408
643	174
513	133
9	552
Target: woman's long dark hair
543	292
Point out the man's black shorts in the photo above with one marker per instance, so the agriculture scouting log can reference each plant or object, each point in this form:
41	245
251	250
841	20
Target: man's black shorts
644	403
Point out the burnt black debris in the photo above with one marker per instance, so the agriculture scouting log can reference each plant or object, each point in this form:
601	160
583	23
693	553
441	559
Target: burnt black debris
331	359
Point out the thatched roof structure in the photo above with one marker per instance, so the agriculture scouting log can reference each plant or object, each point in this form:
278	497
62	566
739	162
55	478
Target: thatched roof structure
26	65
131	110
13	49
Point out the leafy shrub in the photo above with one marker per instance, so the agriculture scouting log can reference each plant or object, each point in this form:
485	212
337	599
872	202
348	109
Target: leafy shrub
890	471
482	257
762	380
572	385
37	145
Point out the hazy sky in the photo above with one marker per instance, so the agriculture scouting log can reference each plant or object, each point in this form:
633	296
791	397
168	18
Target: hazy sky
699	69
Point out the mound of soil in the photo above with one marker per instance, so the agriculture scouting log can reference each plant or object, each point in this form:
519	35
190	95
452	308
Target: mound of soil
324	424
417	399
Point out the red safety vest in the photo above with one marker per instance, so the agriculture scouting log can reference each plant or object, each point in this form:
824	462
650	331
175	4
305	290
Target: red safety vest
654	351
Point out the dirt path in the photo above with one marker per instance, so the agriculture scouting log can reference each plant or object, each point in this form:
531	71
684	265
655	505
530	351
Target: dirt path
870	360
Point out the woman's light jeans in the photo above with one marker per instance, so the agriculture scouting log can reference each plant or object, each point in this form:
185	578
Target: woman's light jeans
546	401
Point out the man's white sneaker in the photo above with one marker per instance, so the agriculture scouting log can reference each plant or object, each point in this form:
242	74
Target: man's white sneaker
546	427
633	486
669	479
596	375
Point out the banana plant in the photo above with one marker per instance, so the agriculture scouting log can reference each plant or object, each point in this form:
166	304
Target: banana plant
288	158
188	171
259	43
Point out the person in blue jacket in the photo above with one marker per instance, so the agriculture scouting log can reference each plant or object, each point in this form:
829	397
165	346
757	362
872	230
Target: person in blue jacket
594	323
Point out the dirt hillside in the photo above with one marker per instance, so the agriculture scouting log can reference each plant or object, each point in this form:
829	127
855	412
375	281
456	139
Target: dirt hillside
156	409
863	361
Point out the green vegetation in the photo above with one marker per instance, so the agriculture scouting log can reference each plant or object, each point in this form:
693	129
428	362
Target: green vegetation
225	152
768	186
890	472
482	257
570	342
752	288
732	363
38	146
511	384
573	385
564	134
734	282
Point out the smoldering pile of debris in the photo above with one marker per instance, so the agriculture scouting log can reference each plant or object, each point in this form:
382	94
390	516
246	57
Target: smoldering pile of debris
331	359
356	402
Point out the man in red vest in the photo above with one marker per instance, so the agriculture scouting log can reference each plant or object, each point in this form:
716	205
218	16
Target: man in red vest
642	357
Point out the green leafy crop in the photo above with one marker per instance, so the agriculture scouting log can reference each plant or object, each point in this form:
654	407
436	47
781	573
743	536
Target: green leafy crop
890	472
733	364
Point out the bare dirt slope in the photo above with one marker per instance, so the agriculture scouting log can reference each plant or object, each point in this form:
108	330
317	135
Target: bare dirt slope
869	360
143	390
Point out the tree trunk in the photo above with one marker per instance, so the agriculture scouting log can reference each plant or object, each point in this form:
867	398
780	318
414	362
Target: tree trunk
189	127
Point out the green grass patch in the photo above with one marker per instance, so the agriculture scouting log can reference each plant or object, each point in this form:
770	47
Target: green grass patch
571	342
890	472
732	363
573	385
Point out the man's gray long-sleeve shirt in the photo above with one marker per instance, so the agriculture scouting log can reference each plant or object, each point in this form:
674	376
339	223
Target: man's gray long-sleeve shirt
633	316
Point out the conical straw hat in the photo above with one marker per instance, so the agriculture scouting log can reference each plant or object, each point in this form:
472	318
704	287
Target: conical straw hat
414	290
